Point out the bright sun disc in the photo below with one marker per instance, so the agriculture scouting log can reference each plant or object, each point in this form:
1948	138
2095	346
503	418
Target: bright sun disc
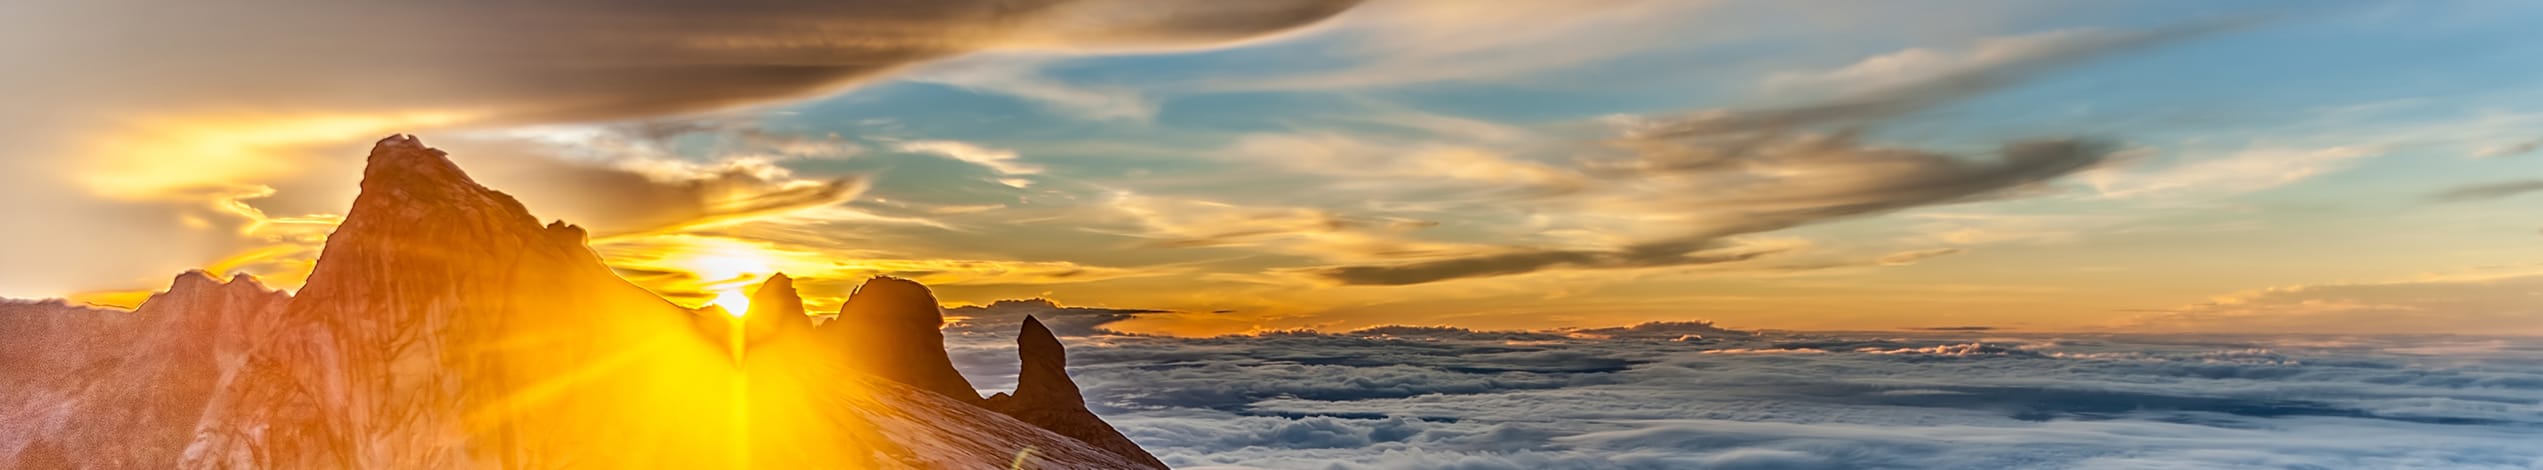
735	303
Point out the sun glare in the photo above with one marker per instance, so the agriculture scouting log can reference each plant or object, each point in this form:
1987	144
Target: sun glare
734	301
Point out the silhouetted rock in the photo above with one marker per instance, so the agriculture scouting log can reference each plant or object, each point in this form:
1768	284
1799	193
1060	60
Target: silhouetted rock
1046	397
892	328
776	311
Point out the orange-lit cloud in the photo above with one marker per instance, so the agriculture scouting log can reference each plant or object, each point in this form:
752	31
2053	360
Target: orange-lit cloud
182	120
694	269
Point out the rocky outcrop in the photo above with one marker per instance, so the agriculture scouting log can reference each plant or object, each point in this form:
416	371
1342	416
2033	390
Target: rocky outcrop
444	327
1046	397
123	389
776	311
892	328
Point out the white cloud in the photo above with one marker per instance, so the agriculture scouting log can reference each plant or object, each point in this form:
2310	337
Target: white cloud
1913	65
1022	76
1003	161
2507	300
1430	398
2242	172
1419	41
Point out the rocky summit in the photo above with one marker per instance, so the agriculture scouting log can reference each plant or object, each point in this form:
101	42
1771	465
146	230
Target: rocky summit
1046	397
445	327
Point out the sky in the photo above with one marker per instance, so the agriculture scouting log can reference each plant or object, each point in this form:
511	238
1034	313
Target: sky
2140	166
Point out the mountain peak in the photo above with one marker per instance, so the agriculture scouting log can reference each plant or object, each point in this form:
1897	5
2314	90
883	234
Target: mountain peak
892	327
776	309
1046	397
403	158
202	283
1045	374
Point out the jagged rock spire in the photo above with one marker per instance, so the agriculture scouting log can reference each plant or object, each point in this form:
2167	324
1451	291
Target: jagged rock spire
1044	379
1046	397
776	310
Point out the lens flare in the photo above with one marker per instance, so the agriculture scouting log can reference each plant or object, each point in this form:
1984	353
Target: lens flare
733	301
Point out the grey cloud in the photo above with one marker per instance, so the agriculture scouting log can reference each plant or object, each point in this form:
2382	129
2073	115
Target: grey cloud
1665	330
2519	148
591	59
2015	401
1855	180
332	75
1530	261
1918	96
1726	169
2488	191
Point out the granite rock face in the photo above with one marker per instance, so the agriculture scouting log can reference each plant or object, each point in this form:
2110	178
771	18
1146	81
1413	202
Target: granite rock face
107	388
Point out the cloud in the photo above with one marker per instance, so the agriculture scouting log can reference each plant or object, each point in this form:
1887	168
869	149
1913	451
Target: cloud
278	92
1673	190
1306	231
1722	173
1023	77
2487	191
1904	258
1455	398
1715	190
1411	163
2498	298
999	160
558	61
2502	299
2247	171
2512	149
1404	42
1525	261
615	188
1910	66
693	267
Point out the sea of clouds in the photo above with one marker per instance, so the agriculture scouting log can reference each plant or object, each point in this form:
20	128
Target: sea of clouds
1691	396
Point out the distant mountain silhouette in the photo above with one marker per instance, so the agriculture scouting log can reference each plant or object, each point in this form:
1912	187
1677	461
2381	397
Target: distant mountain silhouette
444	327
891	328
1046	397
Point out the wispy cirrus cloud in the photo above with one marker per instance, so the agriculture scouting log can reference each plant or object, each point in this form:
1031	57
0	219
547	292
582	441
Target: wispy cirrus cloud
2500	297
1722	173
2242	172
1911	66
278	92
2487	191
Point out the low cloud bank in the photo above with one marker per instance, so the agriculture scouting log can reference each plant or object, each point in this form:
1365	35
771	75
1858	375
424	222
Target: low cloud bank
1690	395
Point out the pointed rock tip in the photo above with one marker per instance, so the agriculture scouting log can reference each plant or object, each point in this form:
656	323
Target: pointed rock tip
191	279
1035	336
246	280
404	158
775	285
